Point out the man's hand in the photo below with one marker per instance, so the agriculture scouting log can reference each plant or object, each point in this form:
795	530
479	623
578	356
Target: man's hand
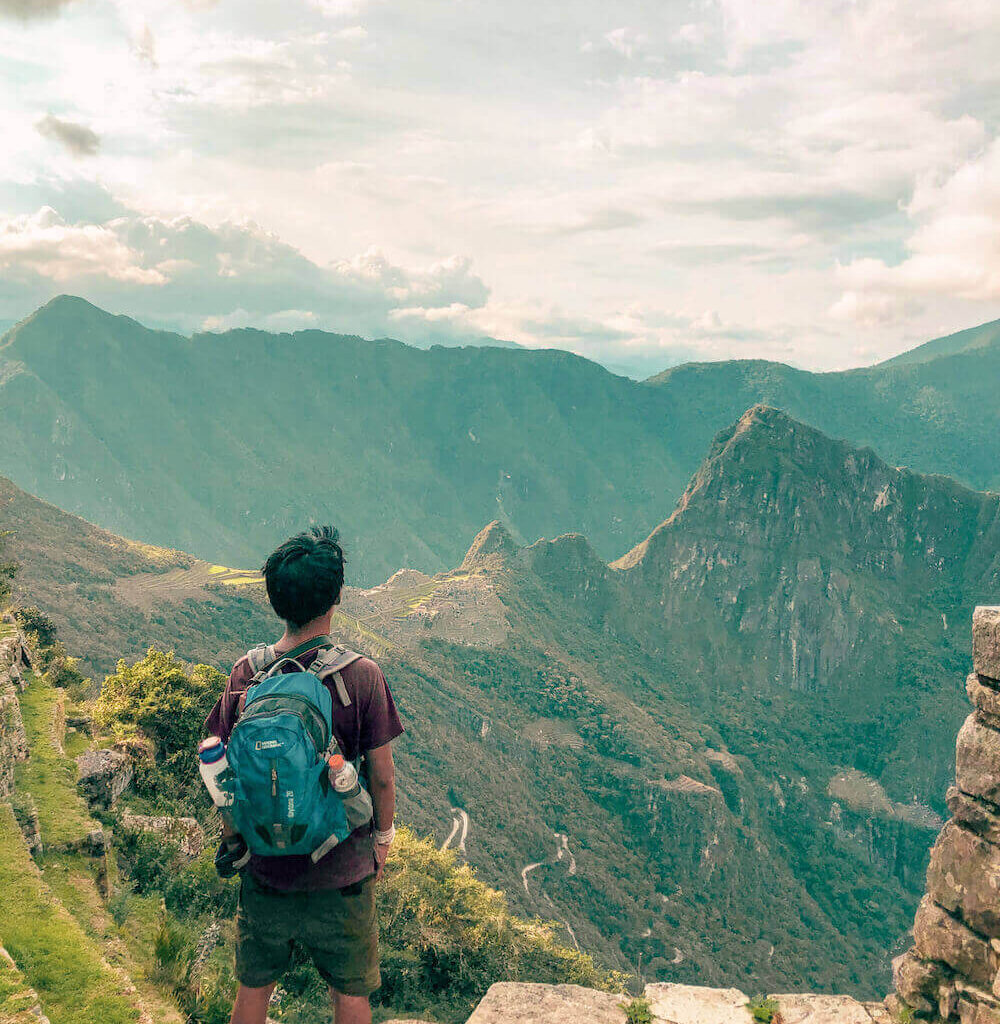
381	855
232	856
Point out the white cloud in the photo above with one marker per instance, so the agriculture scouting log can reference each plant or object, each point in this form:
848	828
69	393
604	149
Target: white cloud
626	41
954	249
770	162
233	273
43	244
338	8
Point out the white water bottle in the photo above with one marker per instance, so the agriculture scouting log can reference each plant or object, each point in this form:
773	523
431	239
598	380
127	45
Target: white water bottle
357	802
212	763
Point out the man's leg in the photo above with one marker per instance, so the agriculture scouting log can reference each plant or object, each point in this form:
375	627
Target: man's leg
251	1005
350	1009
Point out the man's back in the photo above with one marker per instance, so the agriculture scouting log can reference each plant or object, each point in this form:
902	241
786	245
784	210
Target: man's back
368	722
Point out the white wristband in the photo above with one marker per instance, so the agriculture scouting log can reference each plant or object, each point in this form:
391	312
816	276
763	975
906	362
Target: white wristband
384	838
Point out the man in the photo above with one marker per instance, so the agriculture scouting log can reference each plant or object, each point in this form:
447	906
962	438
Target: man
326	907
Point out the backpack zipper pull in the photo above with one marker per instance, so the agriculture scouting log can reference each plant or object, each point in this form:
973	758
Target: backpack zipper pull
274	780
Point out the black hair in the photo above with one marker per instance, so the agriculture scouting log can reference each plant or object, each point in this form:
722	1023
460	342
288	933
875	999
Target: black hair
305	575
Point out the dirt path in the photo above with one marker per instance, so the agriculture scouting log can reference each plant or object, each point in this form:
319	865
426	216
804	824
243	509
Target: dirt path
459	821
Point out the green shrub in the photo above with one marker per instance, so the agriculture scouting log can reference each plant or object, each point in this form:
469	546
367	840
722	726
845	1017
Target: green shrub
209	1000
638	1011
120	903
38	628
164	700
446	937
63	671
189	887
171	952
8	570
763	1009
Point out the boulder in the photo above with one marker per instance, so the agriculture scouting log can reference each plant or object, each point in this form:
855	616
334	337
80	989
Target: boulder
185	833
939	936
985	699
879	1013
975	815
986	642
692	1004
976	1010
509	1002
808	1009
95	844
104	776
964	878
917	981
977	760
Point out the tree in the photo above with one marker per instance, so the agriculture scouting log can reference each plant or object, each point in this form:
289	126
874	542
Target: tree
162	699
8	570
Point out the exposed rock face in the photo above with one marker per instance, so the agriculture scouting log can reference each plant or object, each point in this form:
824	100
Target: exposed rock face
809	1009
692	1004
104	776
953	972
185	833
507	1002
516	1003
986	643
13	739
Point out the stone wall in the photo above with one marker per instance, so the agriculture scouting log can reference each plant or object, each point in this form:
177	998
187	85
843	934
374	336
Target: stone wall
13	740
952	973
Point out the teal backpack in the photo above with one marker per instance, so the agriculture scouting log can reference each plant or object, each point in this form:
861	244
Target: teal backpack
283	802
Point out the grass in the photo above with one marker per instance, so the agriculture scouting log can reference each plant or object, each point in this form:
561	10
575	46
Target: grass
16	996
49	775
7	629
55	956
70	876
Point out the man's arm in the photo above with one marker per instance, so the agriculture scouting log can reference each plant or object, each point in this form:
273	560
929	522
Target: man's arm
382	781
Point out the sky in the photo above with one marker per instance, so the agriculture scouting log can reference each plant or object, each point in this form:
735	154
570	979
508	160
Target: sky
643	183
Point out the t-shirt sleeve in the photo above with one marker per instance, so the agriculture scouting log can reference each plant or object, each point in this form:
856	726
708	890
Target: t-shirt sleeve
222	717
380	722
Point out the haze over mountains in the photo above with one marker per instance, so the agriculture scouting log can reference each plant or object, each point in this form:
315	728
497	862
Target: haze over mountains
726	751
411	451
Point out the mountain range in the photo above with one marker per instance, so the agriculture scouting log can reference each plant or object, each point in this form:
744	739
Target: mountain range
722	754
222	444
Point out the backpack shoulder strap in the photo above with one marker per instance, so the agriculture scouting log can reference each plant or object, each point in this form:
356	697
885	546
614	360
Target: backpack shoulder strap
329	662
260	657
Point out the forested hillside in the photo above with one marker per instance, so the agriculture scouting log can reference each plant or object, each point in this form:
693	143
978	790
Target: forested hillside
221	444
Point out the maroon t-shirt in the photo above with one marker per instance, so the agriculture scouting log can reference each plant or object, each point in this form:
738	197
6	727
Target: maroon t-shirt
370	721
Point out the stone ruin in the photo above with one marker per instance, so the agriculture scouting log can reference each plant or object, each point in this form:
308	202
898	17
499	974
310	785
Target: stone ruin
952	973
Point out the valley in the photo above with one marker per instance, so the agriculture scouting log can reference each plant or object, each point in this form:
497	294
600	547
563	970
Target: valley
753	708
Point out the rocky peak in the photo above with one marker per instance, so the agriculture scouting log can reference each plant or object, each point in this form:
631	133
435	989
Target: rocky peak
492	546
783	529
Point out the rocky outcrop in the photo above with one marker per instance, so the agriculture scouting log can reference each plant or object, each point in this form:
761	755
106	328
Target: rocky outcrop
952	973
519	1003
184	833
13	739
507	1001
104	776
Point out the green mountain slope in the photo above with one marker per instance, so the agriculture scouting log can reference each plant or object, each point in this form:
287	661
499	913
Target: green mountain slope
983	336
223	444
724	752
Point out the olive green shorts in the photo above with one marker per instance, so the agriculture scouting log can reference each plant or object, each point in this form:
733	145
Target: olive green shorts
336	927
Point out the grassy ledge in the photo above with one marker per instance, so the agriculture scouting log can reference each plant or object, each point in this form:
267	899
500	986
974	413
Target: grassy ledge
49	775
52	952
